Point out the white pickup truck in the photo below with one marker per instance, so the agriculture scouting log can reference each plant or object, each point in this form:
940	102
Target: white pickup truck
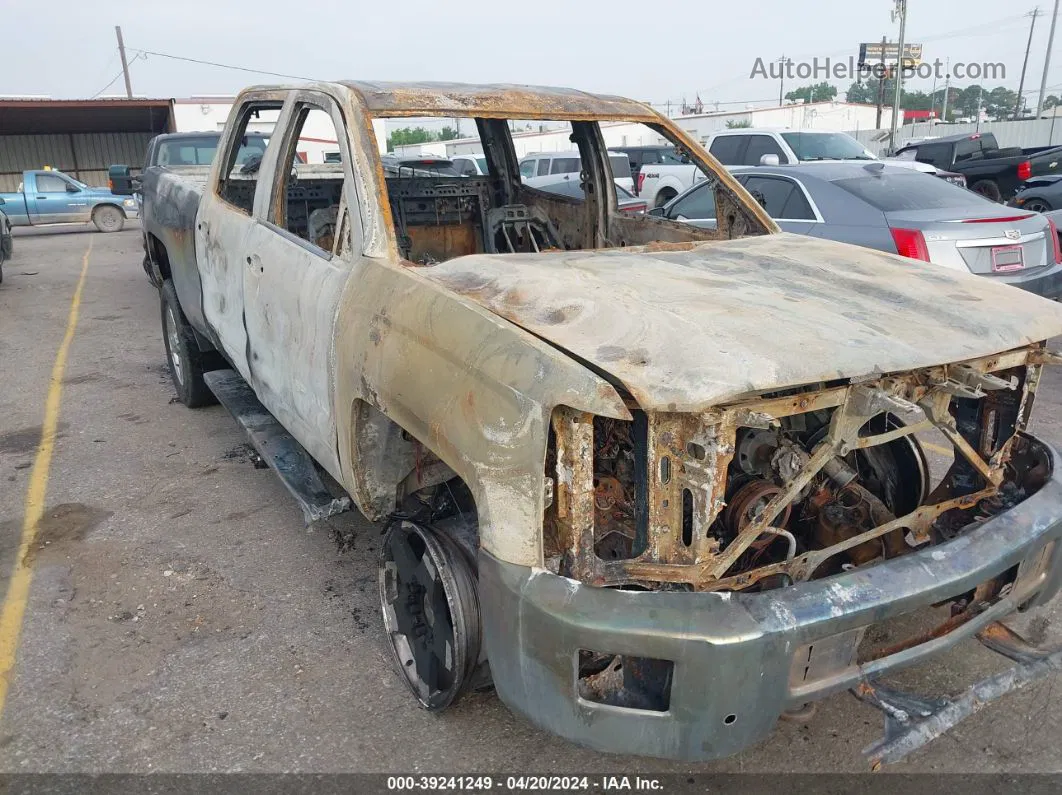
659	184
657	483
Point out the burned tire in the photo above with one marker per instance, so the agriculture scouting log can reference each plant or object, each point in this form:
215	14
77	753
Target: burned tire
108	218
431	613
186	362
988	189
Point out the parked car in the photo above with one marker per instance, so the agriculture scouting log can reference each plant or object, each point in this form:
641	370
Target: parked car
752	147
640	156
628	203
1039	194
187	153
6	241
470	165
51	197
650	480
989	170
899	211
537	167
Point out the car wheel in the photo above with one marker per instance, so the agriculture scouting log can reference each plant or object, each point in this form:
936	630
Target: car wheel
108	218
186	362
664	196
1037	206
988	189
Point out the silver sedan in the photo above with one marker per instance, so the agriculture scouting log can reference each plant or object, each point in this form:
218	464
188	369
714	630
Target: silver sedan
900	211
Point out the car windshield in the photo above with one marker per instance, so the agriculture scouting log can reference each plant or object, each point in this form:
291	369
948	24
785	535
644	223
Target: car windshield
911	191
825	146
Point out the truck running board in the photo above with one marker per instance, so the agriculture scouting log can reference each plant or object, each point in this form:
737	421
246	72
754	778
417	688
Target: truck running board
278	448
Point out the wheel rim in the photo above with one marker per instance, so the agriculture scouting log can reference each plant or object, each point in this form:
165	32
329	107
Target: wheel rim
430	612
173	343
1035	206
109	219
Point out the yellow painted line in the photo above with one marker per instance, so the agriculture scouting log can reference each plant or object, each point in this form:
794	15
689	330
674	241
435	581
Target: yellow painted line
935	448
14	605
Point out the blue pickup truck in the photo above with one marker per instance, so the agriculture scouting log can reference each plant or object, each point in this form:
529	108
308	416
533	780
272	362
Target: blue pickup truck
52	197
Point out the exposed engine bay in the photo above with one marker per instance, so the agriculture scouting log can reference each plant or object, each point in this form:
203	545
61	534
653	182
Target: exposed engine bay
789	486
850	496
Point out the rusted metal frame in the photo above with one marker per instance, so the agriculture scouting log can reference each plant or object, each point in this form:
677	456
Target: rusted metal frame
803	566
574	492
1033	372
519	115
937	408
864	442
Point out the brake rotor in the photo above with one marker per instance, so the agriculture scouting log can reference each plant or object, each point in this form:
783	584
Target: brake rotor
431	612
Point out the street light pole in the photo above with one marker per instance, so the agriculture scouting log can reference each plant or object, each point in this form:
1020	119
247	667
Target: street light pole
901	9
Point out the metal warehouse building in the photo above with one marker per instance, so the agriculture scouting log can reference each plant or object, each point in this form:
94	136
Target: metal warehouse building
80	137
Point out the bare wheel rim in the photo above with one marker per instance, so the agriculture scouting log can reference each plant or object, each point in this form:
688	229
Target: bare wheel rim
430	613
173	343
1036	206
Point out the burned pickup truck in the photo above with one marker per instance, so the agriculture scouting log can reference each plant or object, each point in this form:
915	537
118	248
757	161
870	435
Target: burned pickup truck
660	485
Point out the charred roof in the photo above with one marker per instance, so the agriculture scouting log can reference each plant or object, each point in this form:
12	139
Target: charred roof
494	100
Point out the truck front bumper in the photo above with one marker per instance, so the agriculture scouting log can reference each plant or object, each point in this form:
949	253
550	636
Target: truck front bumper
741	660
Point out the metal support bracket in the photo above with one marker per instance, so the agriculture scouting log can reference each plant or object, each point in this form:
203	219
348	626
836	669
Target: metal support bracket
912	721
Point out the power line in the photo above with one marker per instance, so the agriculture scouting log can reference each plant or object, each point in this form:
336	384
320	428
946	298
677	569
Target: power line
115	78
219	65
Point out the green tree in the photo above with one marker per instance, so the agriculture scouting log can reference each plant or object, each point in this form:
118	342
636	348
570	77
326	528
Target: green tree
447	134
734	124
817	92
1051	101
405	136
1000	102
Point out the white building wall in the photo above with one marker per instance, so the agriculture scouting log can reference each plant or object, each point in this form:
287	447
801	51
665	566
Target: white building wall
839	116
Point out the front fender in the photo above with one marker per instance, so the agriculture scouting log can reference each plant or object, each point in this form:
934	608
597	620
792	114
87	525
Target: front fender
475	389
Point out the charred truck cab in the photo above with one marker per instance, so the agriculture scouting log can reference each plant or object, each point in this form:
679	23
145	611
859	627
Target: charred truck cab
661	485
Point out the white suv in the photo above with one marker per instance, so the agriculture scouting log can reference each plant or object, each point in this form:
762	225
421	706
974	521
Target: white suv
546	168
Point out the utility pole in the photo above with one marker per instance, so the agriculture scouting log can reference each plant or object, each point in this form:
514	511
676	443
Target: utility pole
1047	61
125	64
781	77
947	90
881	84
980	91
901	10
1021	83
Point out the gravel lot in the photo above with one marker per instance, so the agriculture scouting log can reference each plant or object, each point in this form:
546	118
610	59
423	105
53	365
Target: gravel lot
182	618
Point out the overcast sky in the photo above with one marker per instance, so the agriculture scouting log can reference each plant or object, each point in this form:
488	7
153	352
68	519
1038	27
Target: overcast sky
647	50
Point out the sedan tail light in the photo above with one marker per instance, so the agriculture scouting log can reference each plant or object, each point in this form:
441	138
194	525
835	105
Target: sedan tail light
1024	170
1055	242
910	243
641	181
634	209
